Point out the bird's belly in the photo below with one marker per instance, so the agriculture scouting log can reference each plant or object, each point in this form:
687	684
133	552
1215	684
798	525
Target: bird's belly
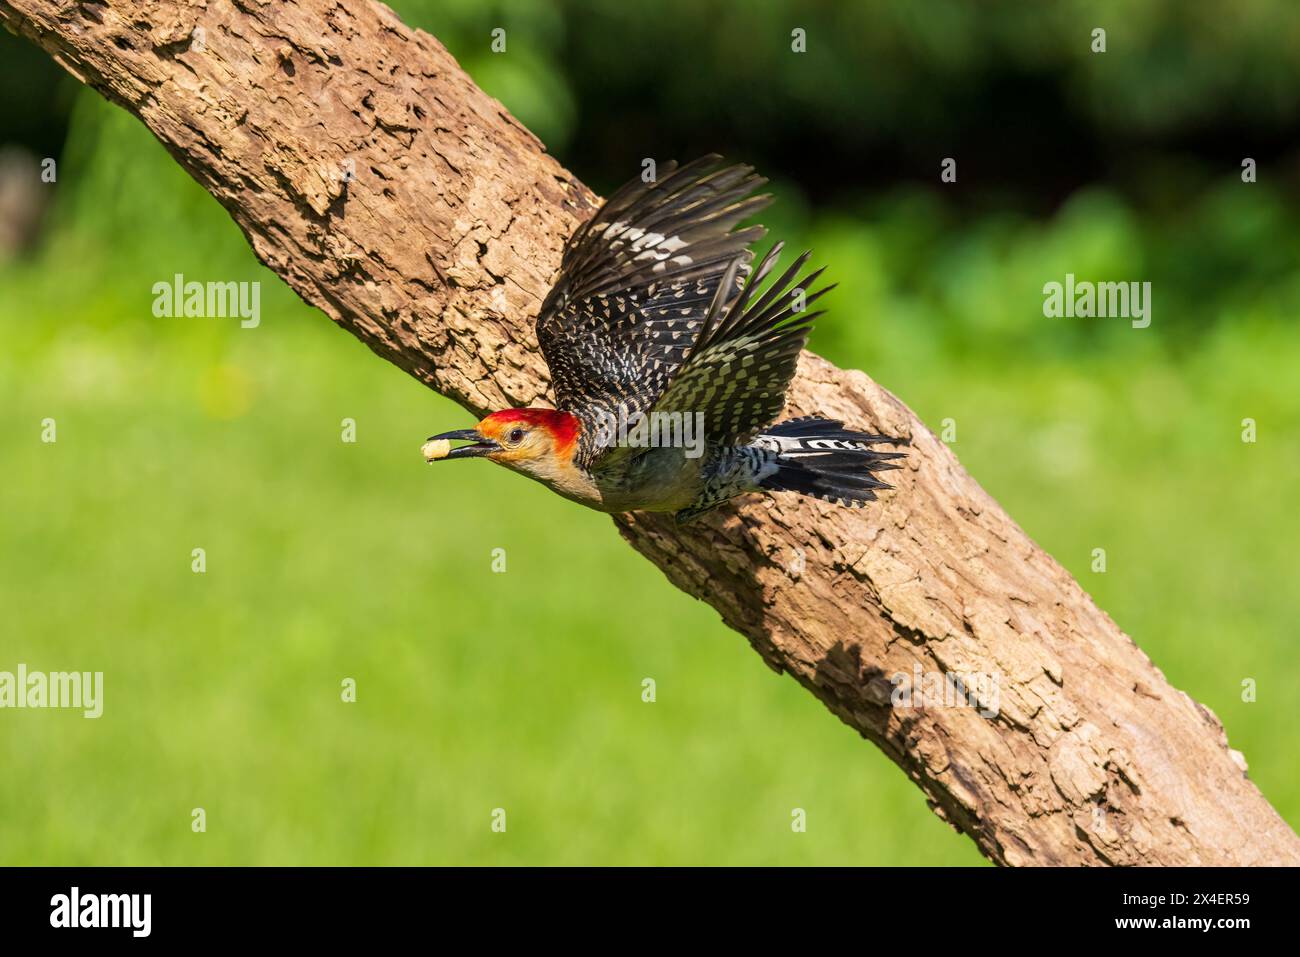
658	480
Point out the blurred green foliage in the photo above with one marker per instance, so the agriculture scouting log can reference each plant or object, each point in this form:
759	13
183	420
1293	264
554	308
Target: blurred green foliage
523	690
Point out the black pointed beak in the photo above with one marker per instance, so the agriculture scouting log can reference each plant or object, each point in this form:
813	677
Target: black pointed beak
436	446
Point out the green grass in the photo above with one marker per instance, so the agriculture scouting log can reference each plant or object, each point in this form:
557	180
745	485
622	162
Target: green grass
328	560
522	690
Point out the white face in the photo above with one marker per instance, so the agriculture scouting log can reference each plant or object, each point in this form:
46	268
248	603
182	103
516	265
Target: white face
519	445
531	449
523	445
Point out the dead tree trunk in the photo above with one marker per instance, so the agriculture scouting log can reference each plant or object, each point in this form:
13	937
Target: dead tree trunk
368	170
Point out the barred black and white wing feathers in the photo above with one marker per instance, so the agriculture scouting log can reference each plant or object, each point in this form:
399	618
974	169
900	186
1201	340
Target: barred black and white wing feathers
637	281
820	457
746	352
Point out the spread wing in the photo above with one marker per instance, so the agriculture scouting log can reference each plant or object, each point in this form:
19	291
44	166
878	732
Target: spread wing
746	353
637	281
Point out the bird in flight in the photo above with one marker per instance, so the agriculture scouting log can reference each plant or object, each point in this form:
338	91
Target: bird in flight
670	355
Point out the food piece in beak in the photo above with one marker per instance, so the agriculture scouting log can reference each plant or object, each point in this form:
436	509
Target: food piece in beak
435	449
438	447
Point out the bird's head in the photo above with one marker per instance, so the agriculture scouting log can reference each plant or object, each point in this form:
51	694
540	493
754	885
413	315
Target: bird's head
537	442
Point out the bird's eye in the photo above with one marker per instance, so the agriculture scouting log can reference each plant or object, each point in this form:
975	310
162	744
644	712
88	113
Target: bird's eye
515	437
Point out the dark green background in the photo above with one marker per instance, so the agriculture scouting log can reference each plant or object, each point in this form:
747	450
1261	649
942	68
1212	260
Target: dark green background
522	690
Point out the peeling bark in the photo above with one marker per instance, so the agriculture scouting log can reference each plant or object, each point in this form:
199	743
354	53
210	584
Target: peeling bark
436	253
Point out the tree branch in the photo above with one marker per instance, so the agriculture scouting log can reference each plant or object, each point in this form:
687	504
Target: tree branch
437	255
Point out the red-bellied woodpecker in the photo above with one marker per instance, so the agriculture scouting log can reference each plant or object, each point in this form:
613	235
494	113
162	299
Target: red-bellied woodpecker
670	360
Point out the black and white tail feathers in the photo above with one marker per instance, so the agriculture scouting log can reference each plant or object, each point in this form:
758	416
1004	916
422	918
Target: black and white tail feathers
820	457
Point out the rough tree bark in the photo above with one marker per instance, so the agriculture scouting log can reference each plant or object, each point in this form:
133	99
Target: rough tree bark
437	254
